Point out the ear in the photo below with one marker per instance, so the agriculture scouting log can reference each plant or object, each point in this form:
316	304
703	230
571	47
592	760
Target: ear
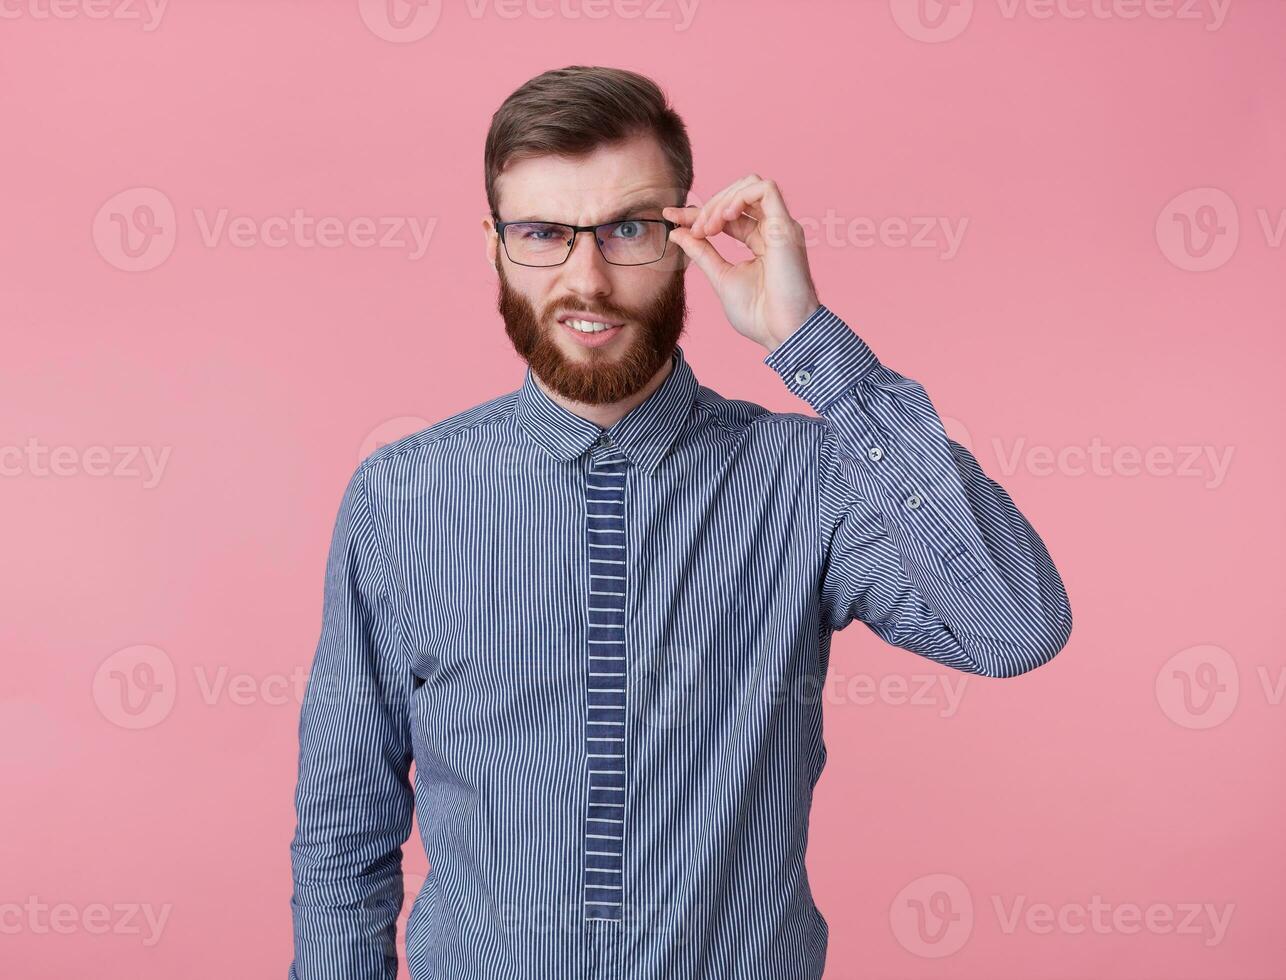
492	240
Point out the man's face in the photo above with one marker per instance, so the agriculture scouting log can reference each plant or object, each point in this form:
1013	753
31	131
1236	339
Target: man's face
645	304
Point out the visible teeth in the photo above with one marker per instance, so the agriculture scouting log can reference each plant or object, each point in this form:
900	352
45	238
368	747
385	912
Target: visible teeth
588	326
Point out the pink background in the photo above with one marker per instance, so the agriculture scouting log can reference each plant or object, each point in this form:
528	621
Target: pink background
1141	769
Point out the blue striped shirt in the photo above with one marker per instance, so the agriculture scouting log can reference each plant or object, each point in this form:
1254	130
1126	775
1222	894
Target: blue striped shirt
601	652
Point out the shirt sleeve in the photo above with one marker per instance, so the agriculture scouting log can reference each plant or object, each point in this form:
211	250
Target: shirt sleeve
917	541
353	800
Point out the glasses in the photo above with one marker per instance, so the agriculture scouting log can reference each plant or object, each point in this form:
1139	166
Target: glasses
631	241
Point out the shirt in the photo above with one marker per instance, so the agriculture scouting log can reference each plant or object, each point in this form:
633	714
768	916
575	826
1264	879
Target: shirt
601	650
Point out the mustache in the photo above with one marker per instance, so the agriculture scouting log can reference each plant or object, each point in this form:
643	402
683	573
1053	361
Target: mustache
610	310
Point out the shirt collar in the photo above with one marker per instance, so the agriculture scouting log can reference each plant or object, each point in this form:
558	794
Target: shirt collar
644	434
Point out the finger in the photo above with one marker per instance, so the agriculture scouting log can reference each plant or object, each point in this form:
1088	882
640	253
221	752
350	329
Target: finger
716	204
682	216
764	203
704	255
744	229
761	199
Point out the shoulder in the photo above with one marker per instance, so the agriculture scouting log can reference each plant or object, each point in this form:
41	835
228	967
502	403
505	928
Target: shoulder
754	420
454	433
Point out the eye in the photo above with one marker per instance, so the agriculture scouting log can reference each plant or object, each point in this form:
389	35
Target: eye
629	229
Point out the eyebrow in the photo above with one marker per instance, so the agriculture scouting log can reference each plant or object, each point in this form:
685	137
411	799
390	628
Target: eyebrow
647	204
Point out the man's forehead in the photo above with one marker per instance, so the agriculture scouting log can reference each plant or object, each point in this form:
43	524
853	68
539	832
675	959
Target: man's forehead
587	205
585	189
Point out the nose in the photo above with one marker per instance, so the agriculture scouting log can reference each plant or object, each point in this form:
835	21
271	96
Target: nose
585	272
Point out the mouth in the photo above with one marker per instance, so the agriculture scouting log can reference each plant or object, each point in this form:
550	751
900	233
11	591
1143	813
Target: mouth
589	330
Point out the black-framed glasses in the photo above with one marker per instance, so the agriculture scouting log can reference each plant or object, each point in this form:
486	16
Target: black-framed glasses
628	241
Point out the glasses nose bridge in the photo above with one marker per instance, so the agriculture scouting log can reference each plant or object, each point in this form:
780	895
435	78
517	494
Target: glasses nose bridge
595	246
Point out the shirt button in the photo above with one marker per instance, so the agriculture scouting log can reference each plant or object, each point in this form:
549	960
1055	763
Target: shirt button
803	376
875	453
913	501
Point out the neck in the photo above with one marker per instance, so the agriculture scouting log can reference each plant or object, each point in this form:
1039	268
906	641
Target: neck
606	416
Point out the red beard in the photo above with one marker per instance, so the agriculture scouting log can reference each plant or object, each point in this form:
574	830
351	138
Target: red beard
607	376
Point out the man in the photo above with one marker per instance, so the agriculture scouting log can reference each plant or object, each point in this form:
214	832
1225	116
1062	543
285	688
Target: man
595	612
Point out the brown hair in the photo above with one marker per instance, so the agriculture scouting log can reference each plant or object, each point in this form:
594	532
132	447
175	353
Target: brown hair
574	110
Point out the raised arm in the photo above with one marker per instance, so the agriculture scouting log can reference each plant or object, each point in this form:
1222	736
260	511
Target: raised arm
919	543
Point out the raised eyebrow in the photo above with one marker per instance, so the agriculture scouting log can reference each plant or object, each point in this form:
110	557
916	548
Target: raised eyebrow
633	209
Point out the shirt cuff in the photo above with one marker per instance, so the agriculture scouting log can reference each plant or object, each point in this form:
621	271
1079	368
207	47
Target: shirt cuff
822	359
